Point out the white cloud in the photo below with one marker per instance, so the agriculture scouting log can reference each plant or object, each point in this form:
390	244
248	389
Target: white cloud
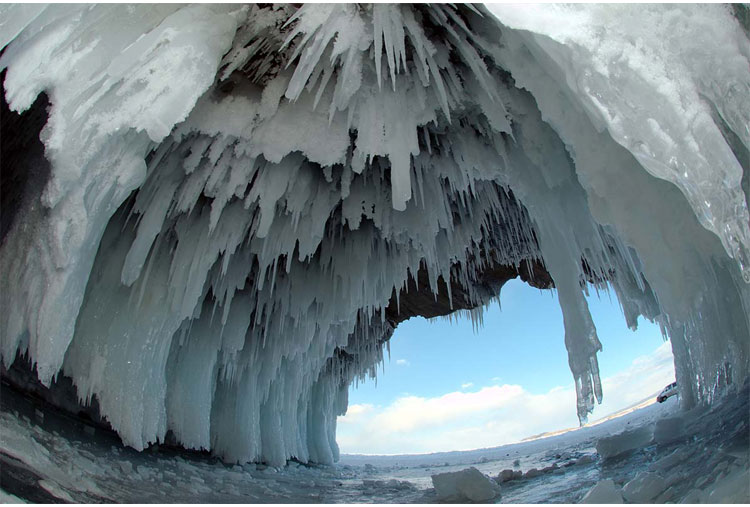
467	385
356	414
402	362
491	416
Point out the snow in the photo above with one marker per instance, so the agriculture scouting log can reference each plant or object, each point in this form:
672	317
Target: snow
237	193
469	484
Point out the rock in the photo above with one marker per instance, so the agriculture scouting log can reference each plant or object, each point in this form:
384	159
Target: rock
615	445
517	463
604	491
504	475
468	484
532	473
508	475
668	430
644	488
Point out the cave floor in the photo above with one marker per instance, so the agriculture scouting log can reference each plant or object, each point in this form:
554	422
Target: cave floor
50	457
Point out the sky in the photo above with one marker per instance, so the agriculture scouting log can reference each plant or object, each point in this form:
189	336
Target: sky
447	387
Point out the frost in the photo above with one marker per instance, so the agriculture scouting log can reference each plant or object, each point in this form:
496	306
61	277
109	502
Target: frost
237	195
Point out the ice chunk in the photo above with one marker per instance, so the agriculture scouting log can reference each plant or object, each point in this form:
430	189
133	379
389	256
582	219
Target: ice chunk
604	491
734	488
584	460
126	467
615	445
393	484
644	488
468	484
670	461
56	490
668	495
694	496
668	430
7	498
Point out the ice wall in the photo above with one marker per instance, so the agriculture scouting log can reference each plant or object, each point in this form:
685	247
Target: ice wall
238	192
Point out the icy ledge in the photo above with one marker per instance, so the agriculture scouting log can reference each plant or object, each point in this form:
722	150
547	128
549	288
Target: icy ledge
239	197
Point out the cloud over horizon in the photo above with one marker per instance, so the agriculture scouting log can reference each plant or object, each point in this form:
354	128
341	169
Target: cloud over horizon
491	415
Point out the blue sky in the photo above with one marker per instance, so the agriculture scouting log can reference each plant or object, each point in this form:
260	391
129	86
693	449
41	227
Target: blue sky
447	387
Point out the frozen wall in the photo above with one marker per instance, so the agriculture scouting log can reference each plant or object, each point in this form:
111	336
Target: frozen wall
238	193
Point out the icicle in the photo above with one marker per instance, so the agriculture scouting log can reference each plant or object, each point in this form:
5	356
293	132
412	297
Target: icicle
525	152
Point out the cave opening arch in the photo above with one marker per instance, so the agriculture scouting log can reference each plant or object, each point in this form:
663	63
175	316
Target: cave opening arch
462	382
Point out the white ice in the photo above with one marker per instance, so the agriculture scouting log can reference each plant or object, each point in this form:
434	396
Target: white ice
237	192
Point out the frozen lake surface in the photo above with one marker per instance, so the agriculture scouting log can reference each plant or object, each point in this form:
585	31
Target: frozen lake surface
48	456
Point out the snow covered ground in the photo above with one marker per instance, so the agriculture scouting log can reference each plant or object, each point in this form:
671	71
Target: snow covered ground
699	456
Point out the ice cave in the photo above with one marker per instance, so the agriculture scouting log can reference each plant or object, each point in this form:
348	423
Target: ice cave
214	217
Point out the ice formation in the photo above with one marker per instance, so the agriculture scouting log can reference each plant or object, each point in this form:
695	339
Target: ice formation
239	197
604	491
469	484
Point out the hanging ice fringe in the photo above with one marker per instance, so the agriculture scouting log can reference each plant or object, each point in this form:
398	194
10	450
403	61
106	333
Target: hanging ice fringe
237	194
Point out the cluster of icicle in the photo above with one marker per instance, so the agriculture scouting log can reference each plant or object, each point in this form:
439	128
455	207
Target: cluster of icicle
237	192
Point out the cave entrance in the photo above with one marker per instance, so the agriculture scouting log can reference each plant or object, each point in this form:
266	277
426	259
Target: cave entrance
449	385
